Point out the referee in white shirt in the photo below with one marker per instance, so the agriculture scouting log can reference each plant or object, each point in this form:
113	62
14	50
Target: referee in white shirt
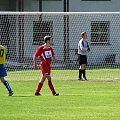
83	49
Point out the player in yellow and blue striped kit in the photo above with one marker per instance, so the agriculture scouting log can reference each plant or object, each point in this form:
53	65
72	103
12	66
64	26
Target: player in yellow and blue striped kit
3	71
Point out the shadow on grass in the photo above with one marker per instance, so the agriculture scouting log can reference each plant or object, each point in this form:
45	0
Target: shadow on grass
23	96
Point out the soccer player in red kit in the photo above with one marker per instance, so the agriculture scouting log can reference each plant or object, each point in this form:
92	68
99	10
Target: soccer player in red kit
45	52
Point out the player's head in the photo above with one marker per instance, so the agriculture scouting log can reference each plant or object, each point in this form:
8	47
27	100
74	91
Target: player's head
84	35
47	38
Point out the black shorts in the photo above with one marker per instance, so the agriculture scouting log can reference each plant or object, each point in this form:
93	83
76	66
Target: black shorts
82	59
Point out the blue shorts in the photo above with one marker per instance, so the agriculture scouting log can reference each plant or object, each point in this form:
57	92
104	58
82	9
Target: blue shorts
3	71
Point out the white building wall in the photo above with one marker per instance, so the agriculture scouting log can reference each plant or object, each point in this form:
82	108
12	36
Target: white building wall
29	48
58	33
28	5
94	6
98	51
47	6
52	6
77	24
35	6
82	23
74	6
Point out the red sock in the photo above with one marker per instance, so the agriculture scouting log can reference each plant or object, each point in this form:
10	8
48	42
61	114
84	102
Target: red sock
51	87
39	87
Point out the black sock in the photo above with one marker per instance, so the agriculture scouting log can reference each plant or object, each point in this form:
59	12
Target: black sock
84	73
80	73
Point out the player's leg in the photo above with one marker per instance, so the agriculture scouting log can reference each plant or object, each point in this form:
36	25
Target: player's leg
48	71
83	69
3	73
80	73
40	84
51	86
83	66
6	84
80	66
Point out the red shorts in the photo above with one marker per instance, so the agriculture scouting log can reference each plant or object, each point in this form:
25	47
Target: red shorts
46	69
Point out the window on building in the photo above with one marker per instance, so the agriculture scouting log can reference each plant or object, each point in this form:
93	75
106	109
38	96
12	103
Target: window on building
100	32
40	29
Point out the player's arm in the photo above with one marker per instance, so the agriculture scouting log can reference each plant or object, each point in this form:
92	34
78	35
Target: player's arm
35	62
53	55
35	56
88	47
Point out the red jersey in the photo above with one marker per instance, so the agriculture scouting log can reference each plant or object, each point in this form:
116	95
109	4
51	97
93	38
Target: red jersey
45	54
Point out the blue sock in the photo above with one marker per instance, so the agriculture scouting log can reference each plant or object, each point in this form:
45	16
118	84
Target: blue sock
7	86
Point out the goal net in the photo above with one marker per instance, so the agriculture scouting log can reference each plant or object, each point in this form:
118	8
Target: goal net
22	33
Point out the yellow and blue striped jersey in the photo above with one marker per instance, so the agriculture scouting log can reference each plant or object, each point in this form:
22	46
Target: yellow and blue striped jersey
2	54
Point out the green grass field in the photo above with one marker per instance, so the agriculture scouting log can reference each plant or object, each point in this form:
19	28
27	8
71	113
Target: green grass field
96	99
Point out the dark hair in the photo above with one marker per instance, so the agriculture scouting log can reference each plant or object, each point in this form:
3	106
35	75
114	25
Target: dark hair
47	38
